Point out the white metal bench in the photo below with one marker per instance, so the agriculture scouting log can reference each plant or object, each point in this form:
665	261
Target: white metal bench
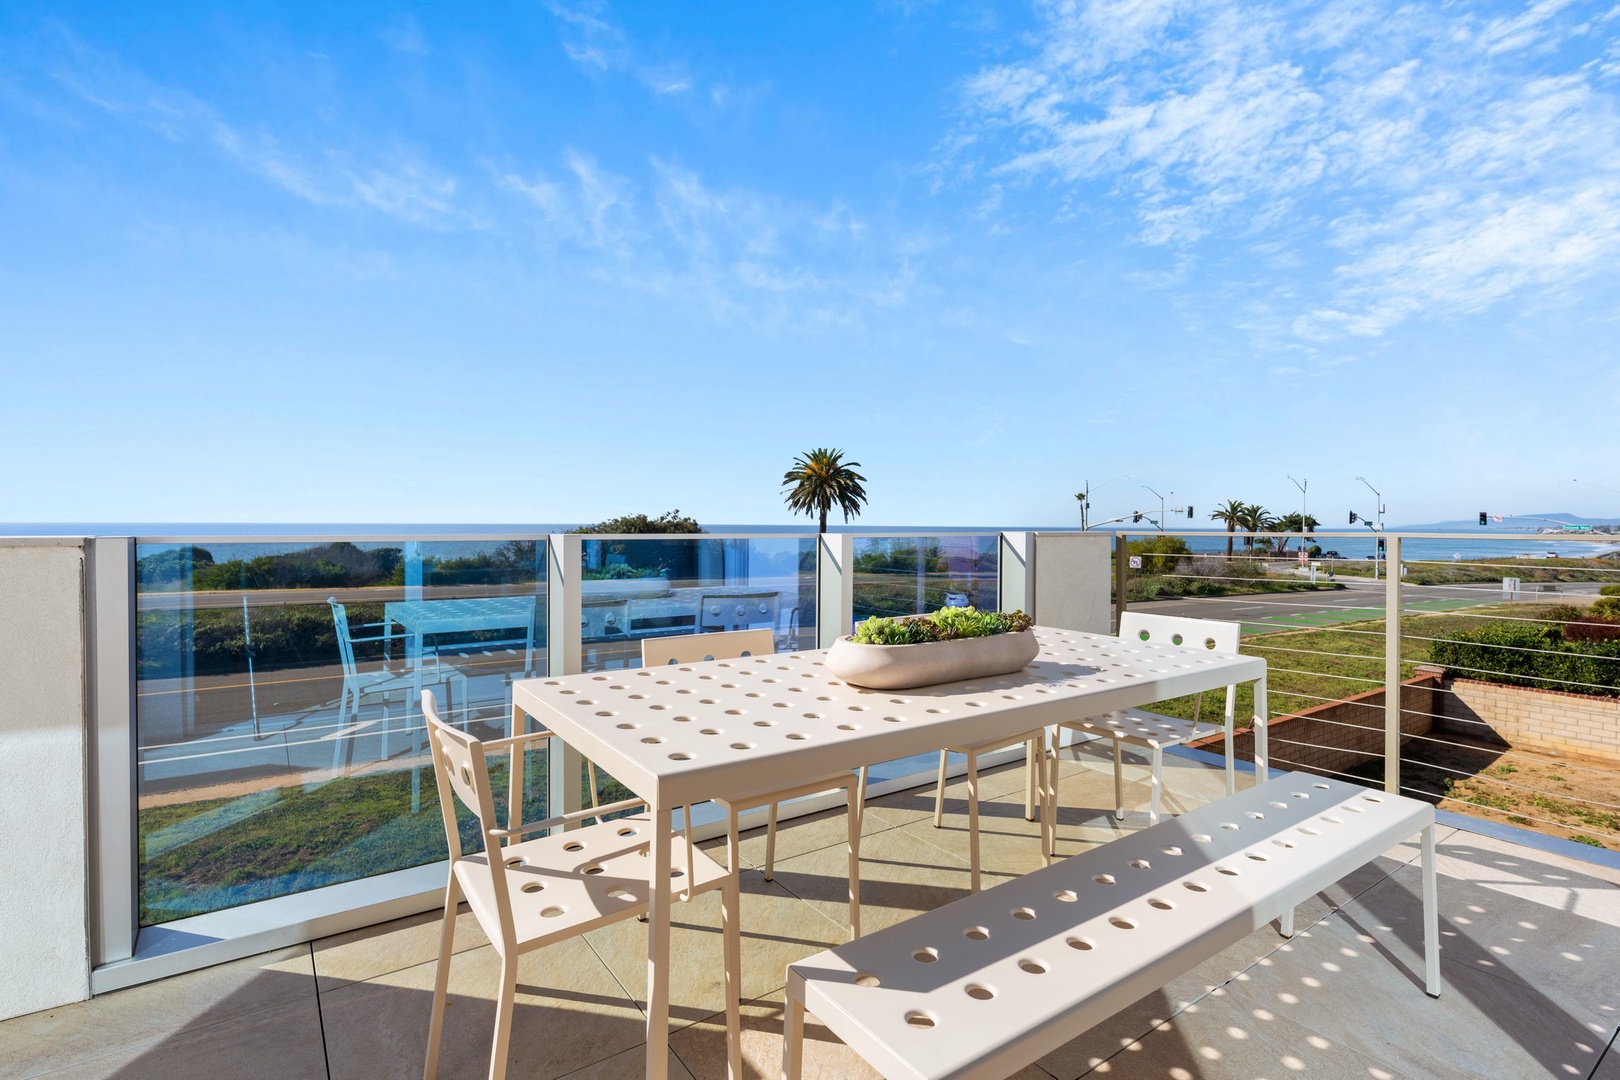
990	983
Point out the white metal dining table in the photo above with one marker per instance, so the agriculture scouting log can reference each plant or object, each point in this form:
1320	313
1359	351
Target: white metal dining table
680	735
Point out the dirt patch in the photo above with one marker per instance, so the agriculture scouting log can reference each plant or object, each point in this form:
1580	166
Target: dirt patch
1567	795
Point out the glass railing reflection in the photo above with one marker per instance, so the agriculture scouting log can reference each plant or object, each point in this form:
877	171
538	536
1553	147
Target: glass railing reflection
281	744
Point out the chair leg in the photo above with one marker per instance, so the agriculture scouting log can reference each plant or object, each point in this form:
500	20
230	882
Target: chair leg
973	820
1156	784
1119	781
939	791
733	844
860	799
770	843
852	793
441	978
1029	780
731	931
503	1018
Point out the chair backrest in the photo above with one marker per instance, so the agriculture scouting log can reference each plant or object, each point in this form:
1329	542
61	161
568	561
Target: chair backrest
340	622
1181	631
738	611
462	772
694	648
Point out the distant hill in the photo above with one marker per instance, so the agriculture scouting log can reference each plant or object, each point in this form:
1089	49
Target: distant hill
1527	523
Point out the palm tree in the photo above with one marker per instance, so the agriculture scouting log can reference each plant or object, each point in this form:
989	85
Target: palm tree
1230	515
1255	518
821	478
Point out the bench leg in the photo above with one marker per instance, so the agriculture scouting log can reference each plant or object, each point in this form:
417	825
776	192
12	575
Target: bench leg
770	842
1431	917
853	795
1262	752
973	820
1119	782
939	791
793	1039
1286	923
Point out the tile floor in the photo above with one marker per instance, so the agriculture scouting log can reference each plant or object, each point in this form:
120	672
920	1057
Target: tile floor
1531	960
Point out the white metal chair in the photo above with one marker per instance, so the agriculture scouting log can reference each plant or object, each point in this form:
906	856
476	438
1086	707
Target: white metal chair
544	890
695	648
1152	731
383	681
1038	779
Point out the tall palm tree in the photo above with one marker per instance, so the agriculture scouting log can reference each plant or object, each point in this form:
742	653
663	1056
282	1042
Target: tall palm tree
1255	519
821	478
1230	515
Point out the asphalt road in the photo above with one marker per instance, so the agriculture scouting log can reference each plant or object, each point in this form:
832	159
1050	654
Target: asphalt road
1360	599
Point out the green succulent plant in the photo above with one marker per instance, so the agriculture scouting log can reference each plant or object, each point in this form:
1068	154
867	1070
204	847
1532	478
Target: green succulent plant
946	624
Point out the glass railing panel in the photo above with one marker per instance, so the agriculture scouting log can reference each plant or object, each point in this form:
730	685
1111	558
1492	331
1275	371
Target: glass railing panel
637	588
908	575
280	739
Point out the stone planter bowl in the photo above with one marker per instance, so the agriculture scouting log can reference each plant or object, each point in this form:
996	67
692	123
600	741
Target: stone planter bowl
901	667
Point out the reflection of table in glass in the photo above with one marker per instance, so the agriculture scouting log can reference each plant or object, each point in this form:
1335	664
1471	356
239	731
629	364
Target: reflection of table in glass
423	619
731	728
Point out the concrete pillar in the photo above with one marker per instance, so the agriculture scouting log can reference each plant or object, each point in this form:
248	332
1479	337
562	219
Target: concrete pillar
44	804
1071	580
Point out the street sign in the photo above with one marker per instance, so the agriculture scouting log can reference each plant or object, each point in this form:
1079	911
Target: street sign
1136	562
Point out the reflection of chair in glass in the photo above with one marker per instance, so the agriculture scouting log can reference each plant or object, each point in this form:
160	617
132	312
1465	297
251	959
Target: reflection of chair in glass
383	681
695	648
554	887
1154	732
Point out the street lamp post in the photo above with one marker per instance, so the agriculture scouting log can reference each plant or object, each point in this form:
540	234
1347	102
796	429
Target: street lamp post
1084	498
1378	502
1161	506
1302	485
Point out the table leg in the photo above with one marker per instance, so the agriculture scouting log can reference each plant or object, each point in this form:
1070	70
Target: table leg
1431	917
659	887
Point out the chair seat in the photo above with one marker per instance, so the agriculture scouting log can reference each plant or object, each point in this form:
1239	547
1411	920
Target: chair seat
570	882
1142	728
994	744
797	791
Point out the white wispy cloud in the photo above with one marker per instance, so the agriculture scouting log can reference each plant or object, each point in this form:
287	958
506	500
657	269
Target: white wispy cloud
1424	159
392	180
600	46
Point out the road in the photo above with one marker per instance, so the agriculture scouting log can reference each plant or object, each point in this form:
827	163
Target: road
1358	600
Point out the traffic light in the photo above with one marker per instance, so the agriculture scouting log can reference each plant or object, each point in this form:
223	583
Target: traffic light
1380	545
1136	518
1482	517
1353	518
1189	513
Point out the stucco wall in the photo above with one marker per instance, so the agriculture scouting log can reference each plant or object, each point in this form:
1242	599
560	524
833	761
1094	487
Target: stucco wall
44	942
1073	580
1546	719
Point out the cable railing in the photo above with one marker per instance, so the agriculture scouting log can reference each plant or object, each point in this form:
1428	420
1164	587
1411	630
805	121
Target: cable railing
1508	705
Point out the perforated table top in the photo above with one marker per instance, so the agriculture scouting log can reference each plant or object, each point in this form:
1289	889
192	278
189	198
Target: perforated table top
728	728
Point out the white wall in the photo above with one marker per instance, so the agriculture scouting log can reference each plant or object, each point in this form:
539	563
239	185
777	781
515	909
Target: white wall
44	940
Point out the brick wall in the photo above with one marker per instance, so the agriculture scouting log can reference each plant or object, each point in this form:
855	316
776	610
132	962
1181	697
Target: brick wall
1336	737
1549	720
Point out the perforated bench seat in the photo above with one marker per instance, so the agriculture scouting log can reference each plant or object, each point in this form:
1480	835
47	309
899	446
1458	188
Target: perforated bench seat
990	983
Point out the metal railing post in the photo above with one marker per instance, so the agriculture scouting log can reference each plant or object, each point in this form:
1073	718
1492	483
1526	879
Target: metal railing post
1392	667
835	587
1121	566
110	602
564	656
1015	573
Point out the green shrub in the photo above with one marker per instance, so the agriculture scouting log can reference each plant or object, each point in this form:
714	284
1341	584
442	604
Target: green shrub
1607	606
1527	654
1609	590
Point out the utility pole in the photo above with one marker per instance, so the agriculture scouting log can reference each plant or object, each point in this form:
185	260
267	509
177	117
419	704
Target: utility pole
1378	501
1084	498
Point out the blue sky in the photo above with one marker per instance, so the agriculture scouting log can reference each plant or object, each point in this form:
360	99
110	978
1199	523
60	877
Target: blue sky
540	262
